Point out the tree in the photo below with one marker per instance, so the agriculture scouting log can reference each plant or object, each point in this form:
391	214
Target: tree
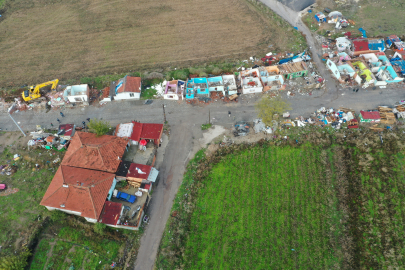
267	107
99	127
15	262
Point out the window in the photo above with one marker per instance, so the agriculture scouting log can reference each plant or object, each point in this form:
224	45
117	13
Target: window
131	94
299	73
77	99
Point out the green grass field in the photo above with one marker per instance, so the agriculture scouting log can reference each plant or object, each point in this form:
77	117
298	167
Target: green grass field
276	213
336	205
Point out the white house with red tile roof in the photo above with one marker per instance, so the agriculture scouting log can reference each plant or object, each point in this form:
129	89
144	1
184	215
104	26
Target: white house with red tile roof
126	88
79	192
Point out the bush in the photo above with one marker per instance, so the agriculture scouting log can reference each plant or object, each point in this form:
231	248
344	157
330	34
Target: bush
99	228
15	262
205	126
57	215
202	74
99	127
155	75
216	71
181	74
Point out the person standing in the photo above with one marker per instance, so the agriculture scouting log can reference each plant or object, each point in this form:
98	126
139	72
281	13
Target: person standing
61	114
88	119
57	119
51	125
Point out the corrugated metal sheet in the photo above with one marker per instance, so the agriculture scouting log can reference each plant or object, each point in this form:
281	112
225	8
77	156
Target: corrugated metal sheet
153	175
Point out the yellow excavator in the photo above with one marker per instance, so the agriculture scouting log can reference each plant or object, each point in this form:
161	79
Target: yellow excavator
34	92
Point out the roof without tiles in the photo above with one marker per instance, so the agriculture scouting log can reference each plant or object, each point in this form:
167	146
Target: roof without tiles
360	45
111	213
97	153
370	115
133	172
78	190
66	129
136	132
124	130
151	131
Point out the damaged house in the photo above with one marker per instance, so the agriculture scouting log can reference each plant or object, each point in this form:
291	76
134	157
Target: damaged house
250	81
174	90
230	84
77	94
197	87
216	84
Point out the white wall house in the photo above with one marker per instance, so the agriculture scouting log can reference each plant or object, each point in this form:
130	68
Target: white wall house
251	85
77	94
126	88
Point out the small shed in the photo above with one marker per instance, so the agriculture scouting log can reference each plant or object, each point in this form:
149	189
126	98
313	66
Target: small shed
369	116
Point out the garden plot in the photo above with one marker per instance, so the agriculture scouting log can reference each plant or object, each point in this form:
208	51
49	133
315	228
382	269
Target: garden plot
73	248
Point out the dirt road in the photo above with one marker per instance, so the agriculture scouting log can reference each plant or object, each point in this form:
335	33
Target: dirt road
294	18
171	174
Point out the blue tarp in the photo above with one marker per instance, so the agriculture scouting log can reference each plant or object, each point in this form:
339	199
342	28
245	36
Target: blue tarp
363	32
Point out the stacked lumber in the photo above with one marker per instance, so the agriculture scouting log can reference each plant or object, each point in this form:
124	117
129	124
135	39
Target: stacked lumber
134	183
346	110
400	108
387	116
376	128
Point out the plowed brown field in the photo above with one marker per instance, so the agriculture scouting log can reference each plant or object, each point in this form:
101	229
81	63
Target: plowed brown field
43	39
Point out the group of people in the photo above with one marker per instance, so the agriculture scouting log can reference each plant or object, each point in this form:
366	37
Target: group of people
62	114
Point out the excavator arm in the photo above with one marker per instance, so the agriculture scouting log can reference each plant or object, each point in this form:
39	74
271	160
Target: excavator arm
35	92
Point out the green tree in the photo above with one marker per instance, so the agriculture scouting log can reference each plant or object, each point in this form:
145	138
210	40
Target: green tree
267	107
15	262
99	127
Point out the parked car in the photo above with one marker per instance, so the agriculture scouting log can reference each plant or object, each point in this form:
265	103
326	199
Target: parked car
126	197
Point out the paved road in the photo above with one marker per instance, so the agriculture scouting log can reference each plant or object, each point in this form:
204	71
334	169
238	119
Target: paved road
185	121
297	5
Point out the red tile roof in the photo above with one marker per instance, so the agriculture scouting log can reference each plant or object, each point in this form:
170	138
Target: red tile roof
78	190
111	213
370	115
106	92
360	45
152	131
136	132
97	153
133	172
130	84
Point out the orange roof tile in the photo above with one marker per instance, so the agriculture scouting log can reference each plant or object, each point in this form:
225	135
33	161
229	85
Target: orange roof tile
130	84
97	153
106	92
79	190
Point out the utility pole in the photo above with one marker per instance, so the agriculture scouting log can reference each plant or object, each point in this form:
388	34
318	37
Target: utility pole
9	113
209	116
164	113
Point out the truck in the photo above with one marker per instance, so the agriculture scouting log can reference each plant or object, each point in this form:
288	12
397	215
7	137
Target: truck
36	92
126	197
